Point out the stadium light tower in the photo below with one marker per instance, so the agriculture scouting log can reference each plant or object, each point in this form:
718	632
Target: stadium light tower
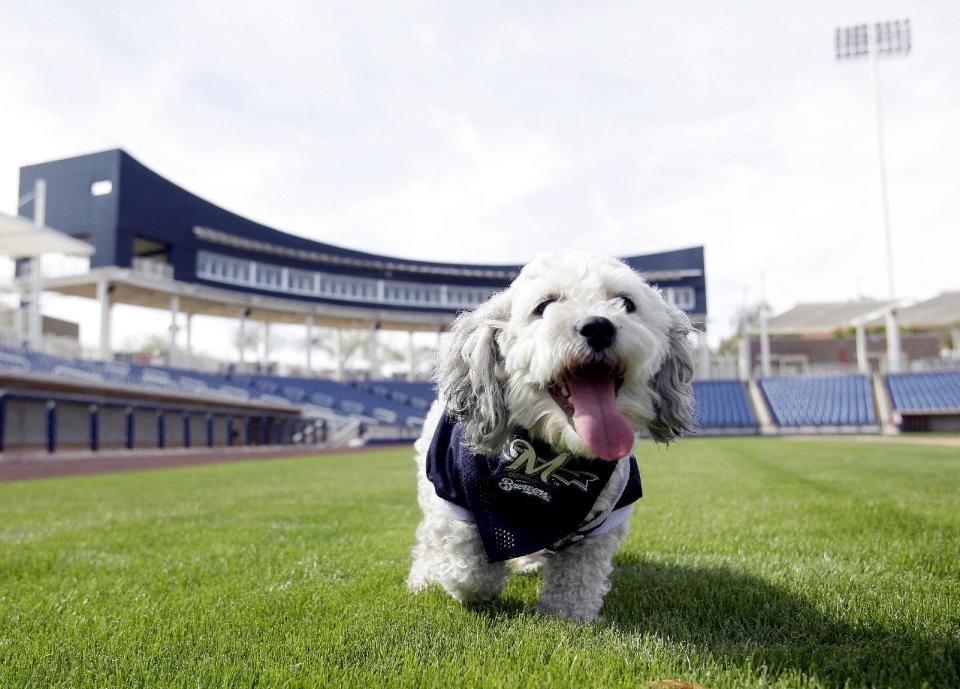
882	39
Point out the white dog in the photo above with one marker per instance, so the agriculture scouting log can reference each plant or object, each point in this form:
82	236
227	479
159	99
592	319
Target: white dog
526	454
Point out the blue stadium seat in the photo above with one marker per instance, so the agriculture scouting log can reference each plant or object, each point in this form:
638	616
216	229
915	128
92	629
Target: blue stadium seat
722	404
338	397
14	360
925	392
417	394
837	401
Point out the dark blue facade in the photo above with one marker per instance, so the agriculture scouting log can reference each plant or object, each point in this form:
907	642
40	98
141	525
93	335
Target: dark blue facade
147	215
689	260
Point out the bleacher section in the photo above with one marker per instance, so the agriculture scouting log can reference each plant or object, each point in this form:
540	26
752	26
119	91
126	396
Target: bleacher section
926	401
419	395
328	394
843	402
925	392
319	394
722	406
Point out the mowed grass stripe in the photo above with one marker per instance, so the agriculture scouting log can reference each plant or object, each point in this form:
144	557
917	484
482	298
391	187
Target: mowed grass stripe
751	563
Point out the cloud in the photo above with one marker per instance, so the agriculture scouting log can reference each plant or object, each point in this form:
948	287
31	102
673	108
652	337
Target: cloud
488	132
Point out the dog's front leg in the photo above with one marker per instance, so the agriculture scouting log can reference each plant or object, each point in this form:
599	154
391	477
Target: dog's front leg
449	552
576	579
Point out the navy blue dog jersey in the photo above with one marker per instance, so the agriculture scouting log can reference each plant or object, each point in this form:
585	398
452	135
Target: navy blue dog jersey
527	498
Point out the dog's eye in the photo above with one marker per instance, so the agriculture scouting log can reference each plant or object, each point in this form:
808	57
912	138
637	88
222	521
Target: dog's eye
628	304
541	307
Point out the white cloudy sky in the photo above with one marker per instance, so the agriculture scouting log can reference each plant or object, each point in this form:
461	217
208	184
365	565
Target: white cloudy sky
488	131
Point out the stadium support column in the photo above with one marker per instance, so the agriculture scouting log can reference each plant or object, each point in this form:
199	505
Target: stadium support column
242	336
411	357
265	345
744	354
439	343
189	329
309	351
172	346
35	318
18	320
338	351
703	350
893	341
103	299
34	313
374	352
863	364
765	368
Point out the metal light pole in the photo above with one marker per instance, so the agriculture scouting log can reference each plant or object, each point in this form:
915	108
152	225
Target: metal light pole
883	39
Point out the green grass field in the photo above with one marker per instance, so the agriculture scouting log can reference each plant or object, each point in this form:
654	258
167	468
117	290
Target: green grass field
751	563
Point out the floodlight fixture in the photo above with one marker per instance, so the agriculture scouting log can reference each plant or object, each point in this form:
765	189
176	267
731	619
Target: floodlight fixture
881	39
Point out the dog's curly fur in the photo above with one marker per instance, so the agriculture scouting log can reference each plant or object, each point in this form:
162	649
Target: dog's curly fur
493	375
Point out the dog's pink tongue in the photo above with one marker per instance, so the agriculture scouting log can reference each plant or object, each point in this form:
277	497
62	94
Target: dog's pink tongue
596	418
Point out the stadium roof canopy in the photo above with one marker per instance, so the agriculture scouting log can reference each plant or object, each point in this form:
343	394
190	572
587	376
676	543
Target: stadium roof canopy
162	246
943	311
819	318
20	238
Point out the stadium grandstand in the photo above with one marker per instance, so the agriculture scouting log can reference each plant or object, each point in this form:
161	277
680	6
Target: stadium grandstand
158	245
140	239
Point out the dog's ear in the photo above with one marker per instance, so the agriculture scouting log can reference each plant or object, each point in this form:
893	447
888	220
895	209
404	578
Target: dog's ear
467	380
672	384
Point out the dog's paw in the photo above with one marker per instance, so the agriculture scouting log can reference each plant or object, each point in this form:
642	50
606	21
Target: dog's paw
568	613
472	593
416	581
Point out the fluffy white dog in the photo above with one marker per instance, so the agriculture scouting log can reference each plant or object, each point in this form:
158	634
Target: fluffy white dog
526	455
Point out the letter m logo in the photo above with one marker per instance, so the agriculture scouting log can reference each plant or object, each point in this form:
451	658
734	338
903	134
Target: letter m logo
525	459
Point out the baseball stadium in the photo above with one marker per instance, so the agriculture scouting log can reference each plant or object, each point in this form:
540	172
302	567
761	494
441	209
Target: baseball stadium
802	535
150	243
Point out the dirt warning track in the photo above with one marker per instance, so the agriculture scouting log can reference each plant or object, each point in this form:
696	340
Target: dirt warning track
78	464
928	440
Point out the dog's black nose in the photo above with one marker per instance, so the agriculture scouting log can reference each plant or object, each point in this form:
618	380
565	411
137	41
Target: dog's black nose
598	332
